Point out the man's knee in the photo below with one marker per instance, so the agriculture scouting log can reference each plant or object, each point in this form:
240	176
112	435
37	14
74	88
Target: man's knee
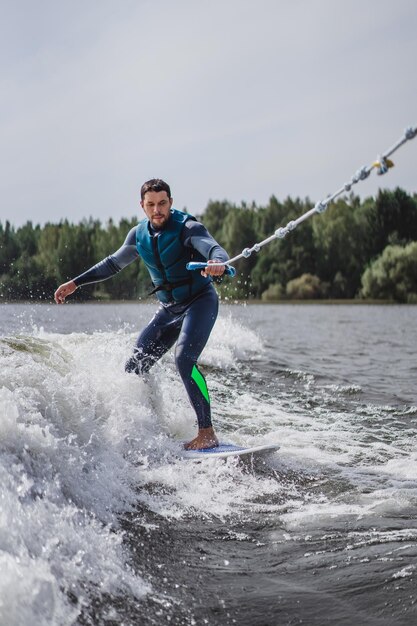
184	362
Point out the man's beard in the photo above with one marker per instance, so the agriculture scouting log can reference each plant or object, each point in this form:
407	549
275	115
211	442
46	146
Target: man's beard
159	225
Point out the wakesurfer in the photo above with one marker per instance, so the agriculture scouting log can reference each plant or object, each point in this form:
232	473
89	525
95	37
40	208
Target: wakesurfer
166	240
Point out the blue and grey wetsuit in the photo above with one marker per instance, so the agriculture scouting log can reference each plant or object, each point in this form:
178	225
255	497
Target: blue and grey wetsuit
189	302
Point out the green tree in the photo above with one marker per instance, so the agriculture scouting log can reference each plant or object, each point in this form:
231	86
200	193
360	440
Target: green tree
74	250
214	217
126	284
27	238
9	248
267	270
27	280
288	258
390	219
339	236
271	217
47	259
21	278
393	275
238	233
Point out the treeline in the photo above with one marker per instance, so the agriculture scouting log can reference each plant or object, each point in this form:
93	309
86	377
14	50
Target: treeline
354	250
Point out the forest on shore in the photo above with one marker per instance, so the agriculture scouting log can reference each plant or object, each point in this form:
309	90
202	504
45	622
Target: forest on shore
355	249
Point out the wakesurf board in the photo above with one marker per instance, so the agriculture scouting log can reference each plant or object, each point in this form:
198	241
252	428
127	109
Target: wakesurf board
224	450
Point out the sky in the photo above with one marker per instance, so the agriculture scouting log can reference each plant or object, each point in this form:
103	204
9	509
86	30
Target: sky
232	100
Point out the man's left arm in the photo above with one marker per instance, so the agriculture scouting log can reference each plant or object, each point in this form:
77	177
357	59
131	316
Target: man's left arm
197	236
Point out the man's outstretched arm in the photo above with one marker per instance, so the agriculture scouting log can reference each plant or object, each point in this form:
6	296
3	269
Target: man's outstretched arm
103	270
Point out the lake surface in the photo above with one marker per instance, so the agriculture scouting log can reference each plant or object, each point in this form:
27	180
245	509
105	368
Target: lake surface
102	522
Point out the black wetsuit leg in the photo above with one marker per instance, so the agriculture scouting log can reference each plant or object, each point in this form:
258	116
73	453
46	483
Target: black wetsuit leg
191	324
154	341
198	322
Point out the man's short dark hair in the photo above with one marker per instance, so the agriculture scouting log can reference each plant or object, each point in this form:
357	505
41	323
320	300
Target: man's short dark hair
155	184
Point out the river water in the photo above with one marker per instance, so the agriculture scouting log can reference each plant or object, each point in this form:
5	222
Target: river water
102	522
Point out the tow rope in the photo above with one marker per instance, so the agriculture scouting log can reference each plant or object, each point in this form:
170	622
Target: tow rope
382	165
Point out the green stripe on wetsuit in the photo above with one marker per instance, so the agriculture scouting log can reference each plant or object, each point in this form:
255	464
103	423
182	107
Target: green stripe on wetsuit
199	380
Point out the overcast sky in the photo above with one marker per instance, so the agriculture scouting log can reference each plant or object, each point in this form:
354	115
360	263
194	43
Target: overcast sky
224	99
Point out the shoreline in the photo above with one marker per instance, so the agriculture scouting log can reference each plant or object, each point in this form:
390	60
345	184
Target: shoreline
330	301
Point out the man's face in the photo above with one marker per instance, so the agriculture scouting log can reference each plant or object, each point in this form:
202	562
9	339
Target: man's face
157	207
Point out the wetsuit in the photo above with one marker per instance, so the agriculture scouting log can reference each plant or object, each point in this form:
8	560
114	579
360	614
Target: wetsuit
188	309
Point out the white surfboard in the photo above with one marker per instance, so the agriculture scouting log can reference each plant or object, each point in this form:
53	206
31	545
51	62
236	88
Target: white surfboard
224	450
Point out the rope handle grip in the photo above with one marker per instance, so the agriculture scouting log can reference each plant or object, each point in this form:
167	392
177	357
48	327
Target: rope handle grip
194	265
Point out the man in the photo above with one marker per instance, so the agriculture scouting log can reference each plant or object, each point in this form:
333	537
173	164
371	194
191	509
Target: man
167	240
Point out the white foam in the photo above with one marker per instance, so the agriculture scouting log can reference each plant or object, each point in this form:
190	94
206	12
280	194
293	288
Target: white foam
405	572
229	342
401	467
64	477
209	488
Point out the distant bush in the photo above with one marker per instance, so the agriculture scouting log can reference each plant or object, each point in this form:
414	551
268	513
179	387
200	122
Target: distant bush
393	275
306	287
274	292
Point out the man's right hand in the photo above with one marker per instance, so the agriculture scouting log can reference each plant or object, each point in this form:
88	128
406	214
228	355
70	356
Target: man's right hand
64	290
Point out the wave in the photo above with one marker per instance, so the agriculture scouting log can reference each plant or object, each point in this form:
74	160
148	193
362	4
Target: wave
83	446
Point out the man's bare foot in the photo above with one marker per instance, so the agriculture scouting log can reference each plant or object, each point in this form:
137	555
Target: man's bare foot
206	438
